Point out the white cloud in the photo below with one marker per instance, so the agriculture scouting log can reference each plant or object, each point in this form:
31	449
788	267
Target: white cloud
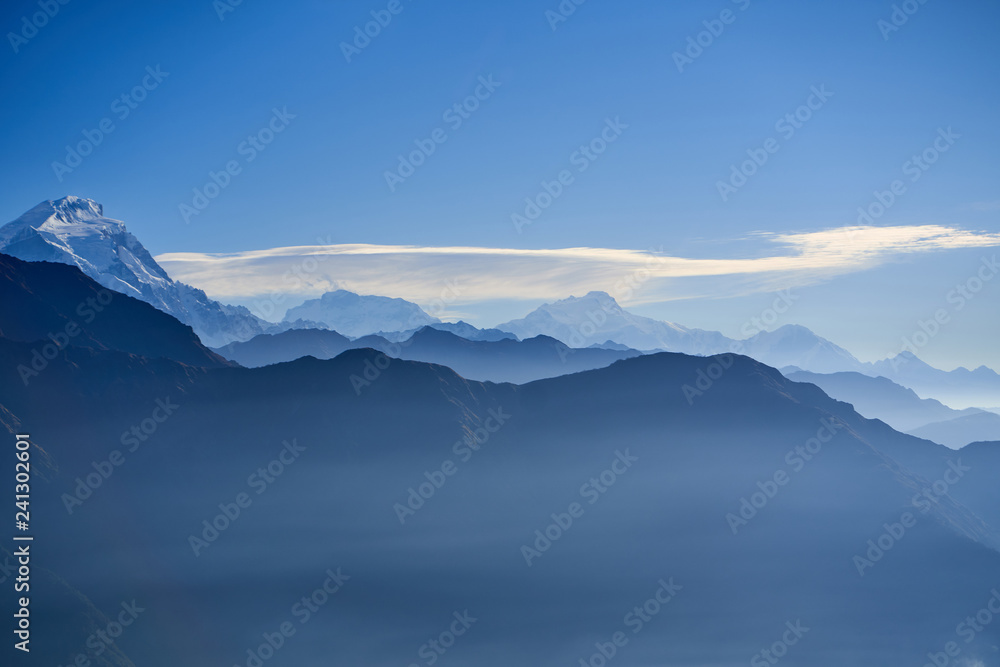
423	274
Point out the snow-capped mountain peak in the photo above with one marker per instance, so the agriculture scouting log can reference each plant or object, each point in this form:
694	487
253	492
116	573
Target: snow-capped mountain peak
73	230
597	316
795	345
358	315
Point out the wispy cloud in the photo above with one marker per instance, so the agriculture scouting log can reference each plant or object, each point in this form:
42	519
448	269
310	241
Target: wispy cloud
421	274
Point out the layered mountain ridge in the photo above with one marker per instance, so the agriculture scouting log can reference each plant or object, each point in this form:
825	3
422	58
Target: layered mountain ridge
496	465
74	231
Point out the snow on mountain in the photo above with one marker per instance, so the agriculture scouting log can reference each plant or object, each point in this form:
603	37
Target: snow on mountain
597	317
794	345
357	315
73	230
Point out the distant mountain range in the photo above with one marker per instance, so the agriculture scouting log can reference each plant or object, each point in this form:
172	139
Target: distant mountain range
961	431
505	360
355	315
764	489
462	329
959	388
901	408
74	231
597	317
582	321
794	345
673	506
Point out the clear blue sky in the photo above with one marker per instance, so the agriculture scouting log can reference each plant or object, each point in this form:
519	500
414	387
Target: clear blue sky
323	176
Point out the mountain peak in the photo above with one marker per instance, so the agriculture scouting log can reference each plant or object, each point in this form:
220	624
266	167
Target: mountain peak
66	209
359	315
597	316
603	298
786	330
74	231
60	218
72	206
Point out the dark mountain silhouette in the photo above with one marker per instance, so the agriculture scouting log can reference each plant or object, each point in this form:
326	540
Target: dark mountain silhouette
664	515
267	349
460	328
56	305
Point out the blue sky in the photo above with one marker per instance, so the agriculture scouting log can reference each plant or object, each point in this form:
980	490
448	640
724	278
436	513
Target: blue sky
323	176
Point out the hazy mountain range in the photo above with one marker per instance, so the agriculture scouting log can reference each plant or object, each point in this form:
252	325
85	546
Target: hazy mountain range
901	408
596	317
517	483
505	360
74	231
355	315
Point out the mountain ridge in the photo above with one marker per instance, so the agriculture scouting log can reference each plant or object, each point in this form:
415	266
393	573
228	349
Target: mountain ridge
73	230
